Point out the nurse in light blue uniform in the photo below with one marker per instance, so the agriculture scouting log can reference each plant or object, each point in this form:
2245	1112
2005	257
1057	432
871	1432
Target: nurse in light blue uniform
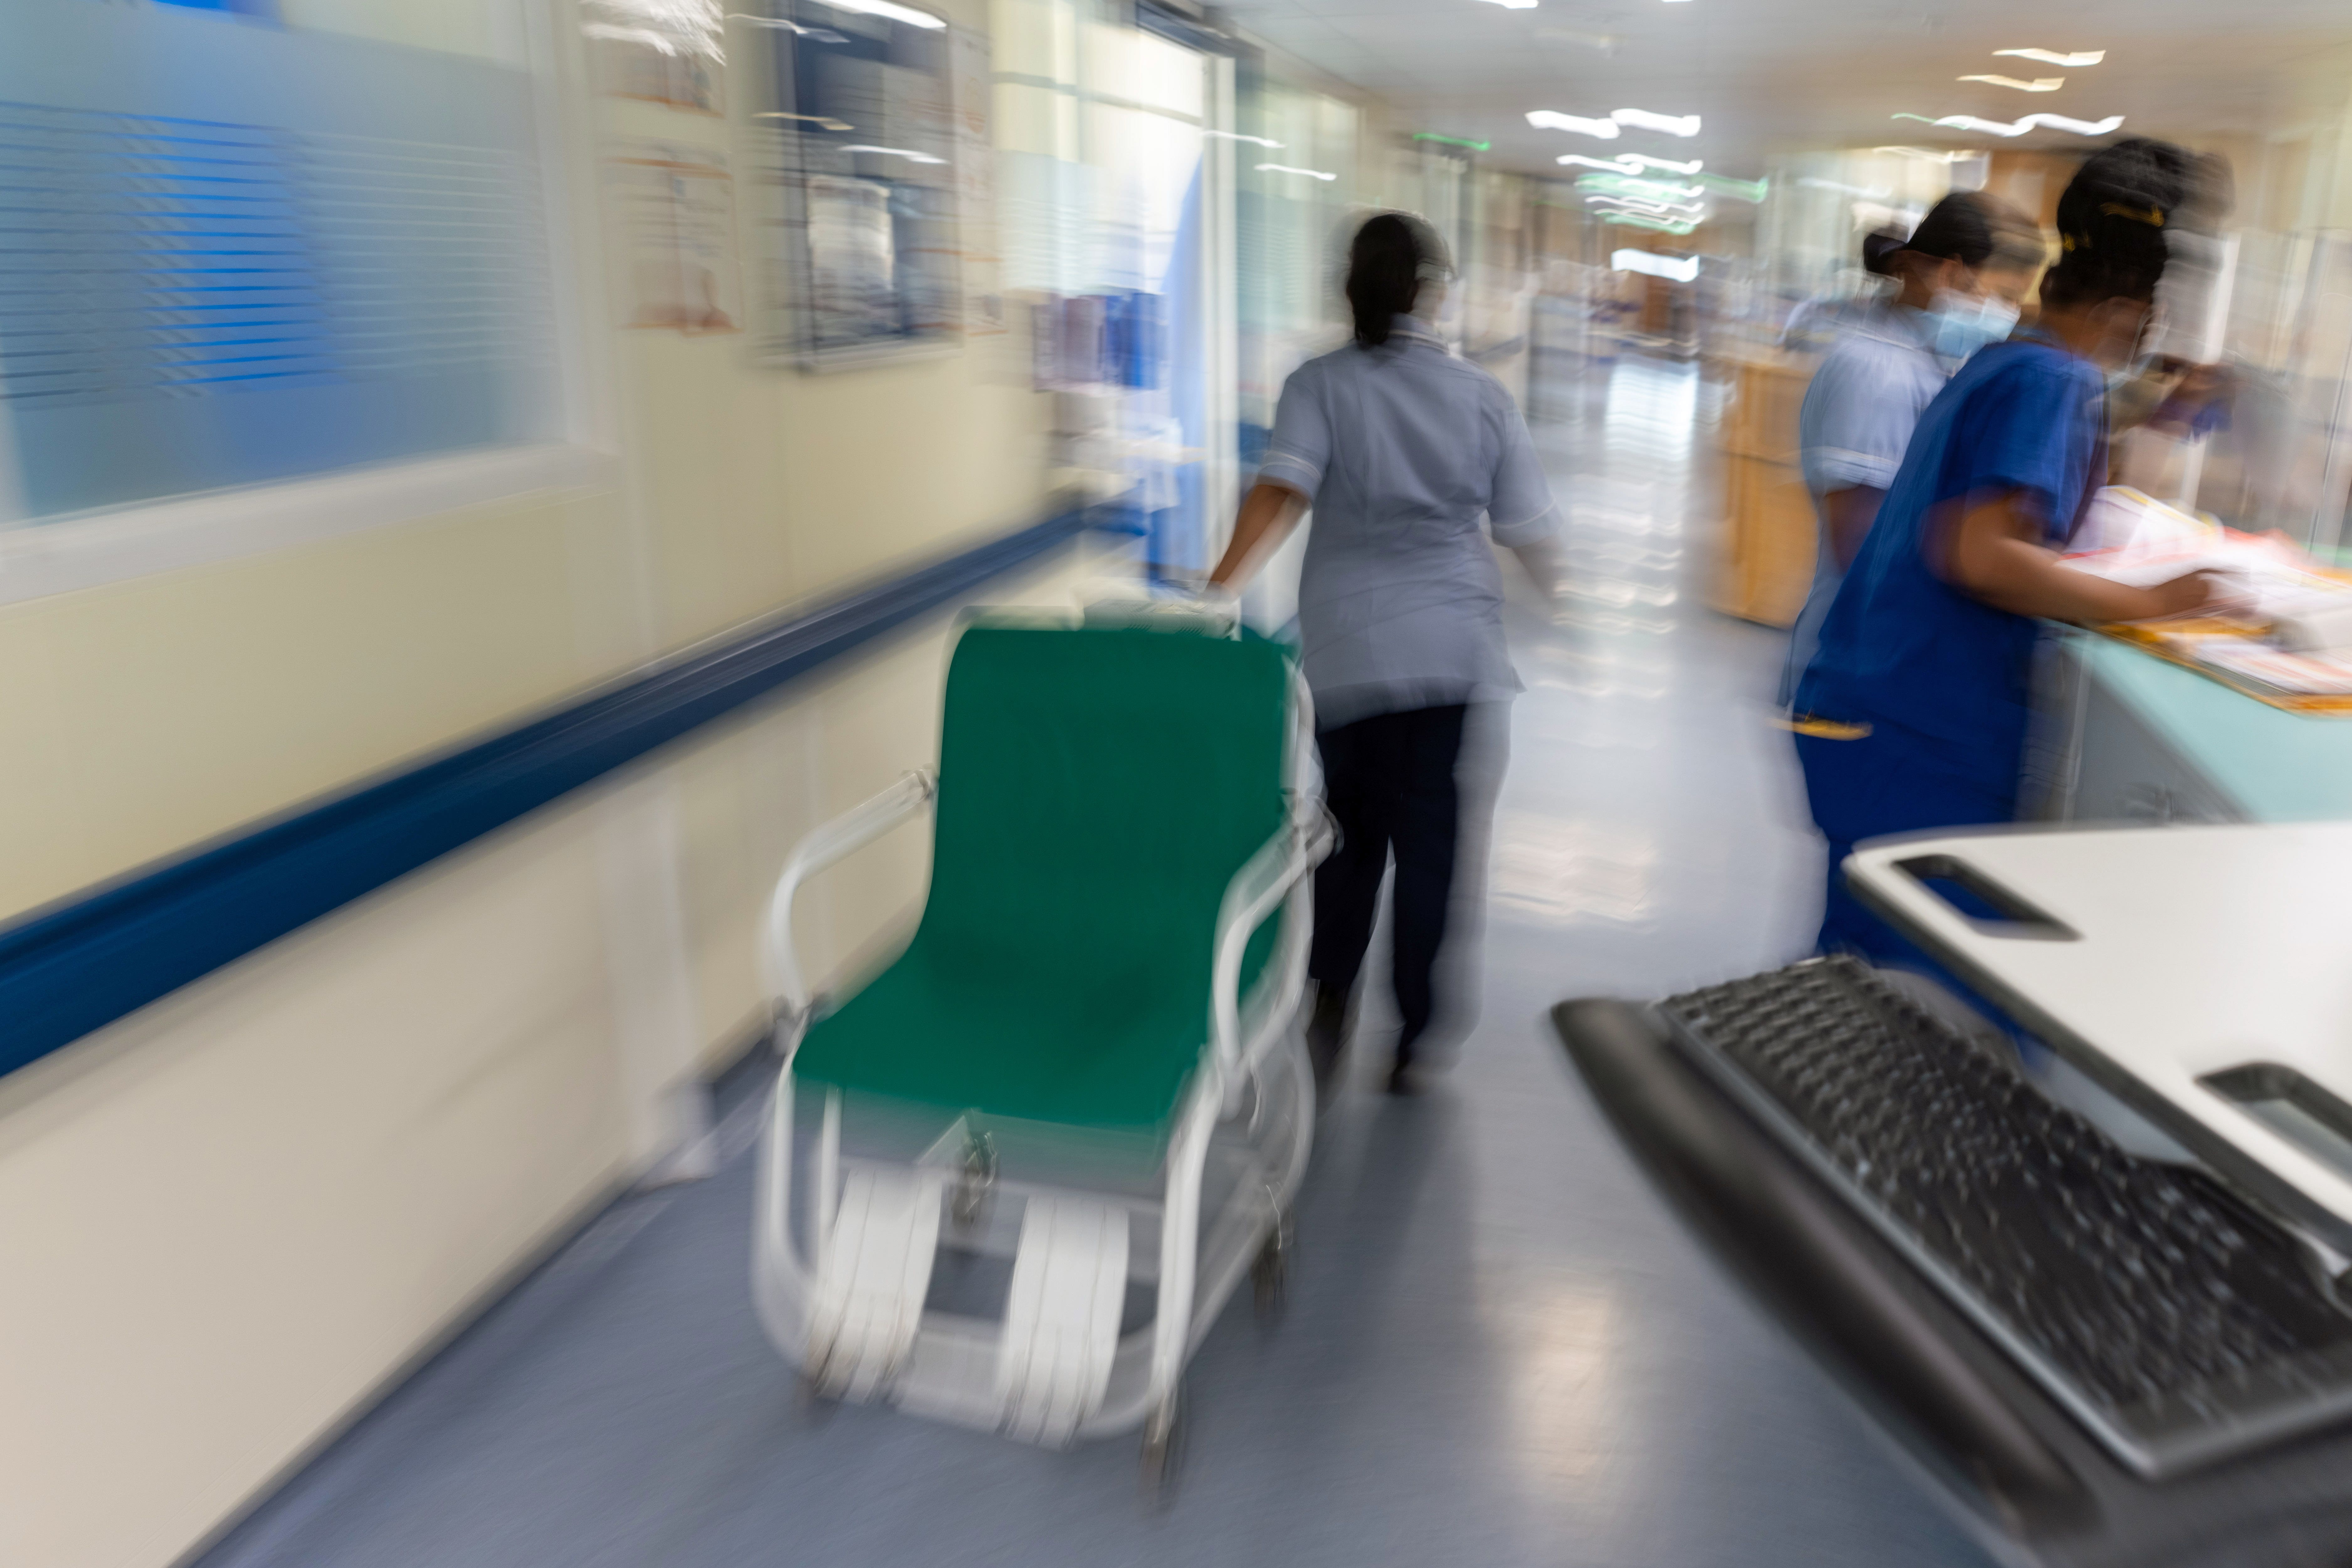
1960	277
1413	460
1912	714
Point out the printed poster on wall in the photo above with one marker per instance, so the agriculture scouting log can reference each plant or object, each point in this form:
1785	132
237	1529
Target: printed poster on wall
975	183
674	210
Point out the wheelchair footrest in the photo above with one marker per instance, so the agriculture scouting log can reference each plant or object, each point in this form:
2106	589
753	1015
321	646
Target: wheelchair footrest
877	1269
1061	1321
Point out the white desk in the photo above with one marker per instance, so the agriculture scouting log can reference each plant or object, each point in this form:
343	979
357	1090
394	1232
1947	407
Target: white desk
2188	953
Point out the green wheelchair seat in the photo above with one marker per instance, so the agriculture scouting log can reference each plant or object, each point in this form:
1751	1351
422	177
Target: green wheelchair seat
1098	787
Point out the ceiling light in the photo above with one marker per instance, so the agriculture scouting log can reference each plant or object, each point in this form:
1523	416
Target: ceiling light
2051	57
1550	120
1640	162
1622	185
911	156
2019	128
907	14
1450	141
1663	225
1677	268
1632	163
1642	120
1514	4
1267	143
2039	84
1693	210
1286	169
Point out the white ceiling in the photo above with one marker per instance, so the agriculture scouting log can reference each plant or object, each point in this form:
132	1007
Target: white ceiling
1777	75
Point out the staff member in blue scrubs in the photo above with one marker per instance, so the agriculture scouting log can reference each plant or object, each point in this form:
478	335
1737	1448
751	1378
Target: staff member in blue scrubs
1912	713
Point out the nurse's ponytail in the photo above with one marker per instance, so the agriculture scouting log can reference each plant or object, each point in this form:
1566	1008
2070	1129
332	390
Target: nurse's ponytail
1389	261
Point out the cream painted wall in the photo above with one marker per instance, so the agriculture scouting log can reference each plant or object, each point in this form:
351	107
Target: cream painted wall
230	1215
229	1218
151	714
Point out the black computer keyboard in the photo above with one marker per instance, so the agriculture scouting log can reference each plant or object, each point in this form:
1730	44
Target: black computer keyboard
2176	1322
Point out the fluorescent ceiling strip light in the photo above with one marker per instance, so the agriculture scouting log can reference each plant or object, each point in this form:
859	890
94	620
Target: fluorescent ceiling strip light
1641	161
1678	268
2019	128
2052	57
1650	209
1551	120
1265	142
1618	184
1514	4
2039	84
1632	163
908	154
907	14
1609	128
1286	169
1642	120
1663	225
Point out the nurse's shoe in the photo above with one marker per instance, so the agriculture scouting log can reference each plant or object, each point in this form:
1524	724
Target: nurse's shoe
1326	1036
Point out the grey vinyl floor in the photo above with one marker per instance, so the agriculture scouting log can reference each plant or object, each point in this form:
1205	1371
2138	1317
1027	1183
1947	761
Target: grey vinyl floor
1499	1349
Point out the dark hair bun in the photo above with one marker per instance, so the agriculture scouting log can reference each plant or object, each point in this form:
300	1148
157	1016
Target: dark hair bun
2112	221
1878	250
1392	256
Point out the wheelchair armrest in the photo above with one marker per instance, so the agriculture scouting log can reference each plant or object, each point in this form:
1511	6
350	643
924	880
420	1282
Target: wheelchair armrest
851	831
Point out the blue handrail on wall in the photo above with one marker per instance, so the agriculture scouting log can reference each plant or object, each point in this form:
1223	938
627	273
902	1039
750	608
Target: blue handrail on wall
90	959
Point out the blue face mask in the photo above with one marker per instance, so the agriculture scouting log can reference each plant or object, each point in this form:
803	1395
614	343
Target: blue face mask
1963	325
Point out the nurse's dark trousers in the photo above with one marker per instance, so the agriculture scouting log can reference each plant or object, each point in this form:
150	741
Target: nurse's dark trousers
1887	782
1388	781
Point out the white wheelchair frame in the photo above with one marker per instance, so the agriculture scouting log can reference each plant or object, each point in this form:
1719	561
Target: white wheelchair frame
847	1308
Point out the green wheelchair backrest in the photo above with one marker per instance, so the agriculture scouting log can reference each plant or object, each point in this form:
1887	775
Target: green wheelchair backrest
1098	789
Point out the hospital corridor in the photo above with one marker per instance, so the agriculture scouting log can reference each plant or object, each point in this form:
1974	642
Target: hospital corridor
1066	782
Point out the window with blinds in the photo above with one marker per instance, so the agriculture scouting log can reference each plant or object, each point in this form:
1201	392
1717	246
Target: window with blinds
232	253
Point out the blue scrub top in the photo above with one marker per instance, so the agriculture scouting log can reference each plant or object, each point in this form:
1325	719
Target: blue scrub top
1901	650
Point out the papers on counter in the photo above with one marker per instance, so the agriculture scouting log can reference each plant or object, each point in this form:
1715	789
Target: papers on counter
2305	674
2287	627
2129	538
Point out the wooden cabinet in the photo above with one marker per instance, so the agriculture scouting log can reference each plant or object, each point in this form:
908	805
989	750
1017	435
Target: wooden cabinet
1766	562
